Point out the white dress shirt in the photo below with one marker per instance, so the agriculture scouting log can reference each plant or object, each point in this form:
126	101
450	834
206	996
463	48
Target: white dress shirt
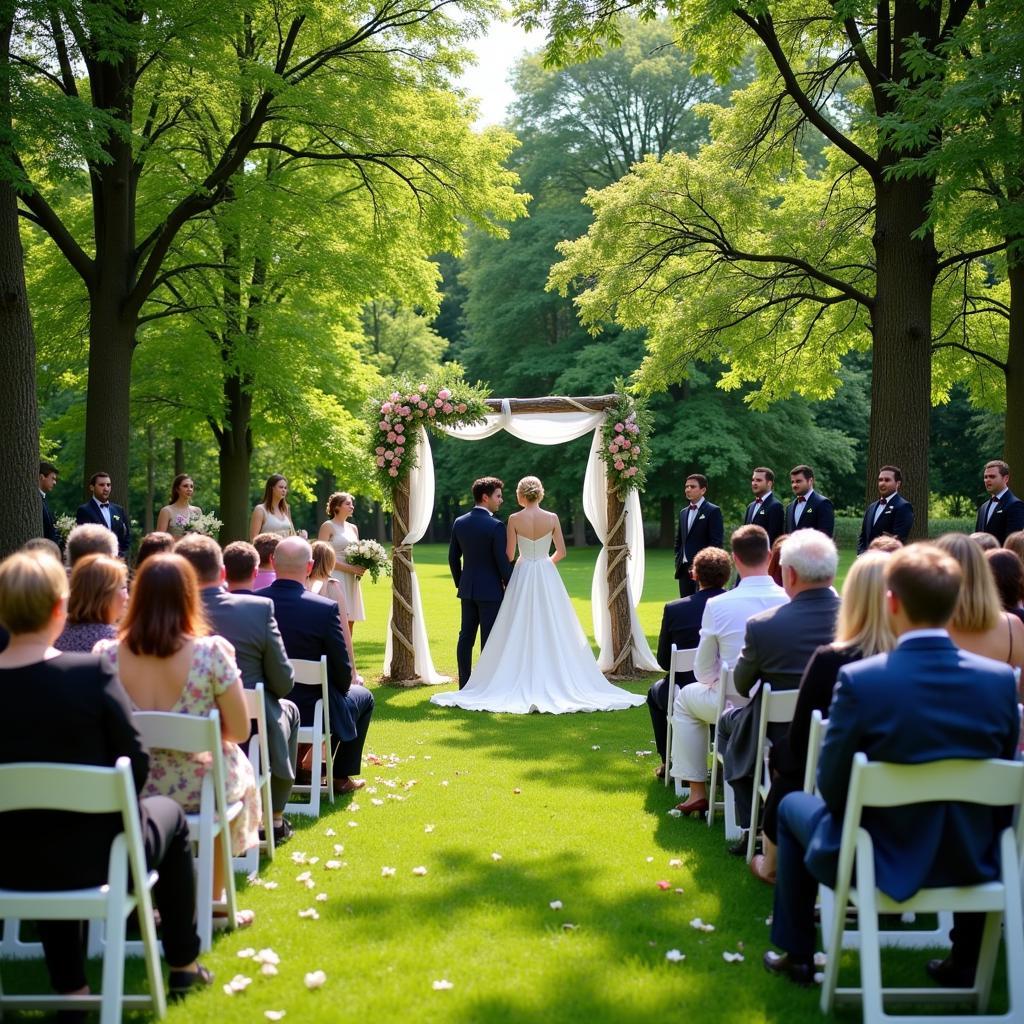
691	514
105	512
992	502
798	511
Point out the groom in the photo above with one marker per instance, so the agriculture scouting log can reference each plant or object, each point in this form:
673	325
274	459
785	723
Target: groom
479	567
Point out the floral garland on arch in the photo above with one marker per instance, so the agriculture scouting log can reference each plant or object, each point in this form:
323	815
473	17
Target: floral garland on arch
443	399
625	442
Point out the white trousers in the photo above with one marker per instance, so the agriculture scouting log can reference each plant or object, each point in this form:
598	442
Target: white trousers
695	709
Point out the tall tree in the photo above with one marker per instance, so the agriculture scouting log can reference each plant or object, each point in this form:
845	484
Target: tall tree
804	52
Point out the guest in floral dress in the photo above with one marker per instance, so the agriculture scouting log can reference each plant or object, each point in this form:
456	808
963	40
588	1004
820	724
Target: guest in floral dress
166	661
99	593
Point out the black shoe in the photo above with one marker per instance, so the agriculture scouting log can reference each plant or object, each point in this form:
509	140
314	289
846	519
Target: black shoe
800	972
283	832
180	983
739	848
948	974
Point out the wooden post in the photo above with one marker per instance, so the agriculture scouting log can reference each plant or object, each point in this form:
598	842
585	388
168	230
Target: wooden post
403	664
618	560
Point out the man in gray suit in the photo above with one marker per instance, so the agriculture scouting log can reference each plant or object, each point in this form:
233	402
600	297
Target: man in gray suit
248	623
777	645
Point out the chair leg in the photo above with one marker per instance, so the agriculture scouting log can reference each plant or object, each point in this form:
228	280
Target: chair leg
113	961
317	767
713	785
1013	927
204	889
872	1001
732	827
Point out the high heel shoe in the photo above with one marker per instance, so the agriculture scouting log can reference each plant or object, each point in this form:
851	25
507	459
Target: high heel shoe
694	807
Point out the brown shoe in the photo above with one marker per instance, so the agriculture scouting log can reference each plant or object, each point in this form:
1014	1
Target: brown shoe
659	772
346	784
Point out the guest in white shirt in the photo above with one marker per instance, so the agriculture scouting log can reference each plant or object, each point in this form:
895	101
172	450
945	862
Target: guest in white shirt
721	639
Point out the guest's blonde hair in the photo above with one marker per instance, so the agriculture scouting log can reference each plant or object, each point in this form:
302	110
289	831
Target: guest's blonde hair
863	622
31	584
978	608
530	488
324	560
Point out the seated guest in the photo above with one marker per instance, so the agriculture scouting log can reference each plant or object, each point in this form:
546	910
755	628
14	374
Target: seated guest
978	623
924	701
889	544
90	539
721	637
1008	574
680	625
43	544
265	545
99	593
69	709
774	566
241	563
863	630
154	543
1015	542
985	541
777	646
311	627
322	581
167	661
247	623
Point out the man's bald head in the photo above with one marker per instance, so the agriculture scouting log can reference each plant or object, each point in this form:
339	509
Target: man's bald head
292	558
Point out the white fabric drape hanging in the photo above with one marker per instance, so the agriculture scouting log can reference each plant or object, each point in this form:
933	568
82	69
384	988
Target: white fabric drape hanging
548	429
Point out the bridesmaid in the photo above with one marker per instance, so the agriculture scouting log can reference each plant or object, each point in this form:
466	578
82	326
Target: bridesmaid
173	517
272	515
339	533
321	581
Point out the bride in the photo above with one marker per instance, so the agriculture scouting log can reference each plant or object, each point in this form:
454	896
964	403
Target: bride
537	657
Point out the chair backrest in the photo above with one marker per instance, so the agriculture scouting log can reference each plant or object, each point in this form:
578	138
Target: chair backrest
310	673
193	734
682	660
779	705
724	682
33	785
815	738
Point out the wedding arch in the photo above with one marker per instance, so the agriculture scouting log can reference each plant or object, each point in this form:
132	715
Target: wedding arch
447	404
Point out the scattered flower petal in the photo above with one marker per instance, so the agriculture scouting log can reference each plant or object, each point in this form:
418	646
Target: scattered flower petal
274	1014
304	877
239	983
680	891
377	802
644	753
333	865
420	871
330	832
321	897
495	857
675	862
820	959
353	807
650	860
555	904
313	860
675	813
663	884
517	791
387	872
596	746
270	885
266	956
444	782
768	920
314	979
819	977
339	848
428	828
674	956
268	970
298	857
701	926
442	985
732	958
310	913
568	926
353	824
247	953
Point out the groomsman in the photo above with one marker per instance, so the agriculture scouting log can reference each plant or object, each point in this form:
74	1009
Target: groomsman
891	516
700	526
101	510
47	482
765	510
808	510
1003	513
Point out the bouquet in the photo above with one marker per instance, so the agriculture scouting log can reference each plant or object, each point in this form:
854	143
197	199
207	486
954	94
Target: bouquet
370	555
65	524
205	523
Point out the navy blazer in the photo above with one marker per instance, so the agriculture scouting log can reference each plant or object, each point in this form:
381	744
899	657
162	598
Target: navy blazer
708	532
896	521
50	531
477	557
924	701
680	625
311	627
771	516
119	524
1007	517
817	515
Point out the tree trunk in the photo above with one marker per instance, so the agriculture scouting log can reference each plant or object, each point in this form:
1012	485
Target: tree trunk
901	329
622	633
403	666
579	526
147	518
1013	445
667	523
19	432
234	439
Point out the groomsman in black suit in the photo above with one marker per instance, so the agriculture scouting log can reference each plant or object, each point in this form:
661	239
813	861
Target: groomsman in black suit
765	510
101	510
1003	513
700	526
808	510
47	482
891	516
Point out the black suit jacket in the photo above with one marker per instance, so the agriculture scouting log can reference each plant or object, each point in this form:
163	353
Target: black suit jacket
708	532
771	515
311	627
1007	517
680	625
50	531
119	525
818	515
896	521
477	557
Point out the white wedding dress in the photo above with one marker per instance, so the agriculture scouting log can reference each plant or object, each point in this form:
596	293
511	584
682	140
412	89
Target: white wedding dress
537	657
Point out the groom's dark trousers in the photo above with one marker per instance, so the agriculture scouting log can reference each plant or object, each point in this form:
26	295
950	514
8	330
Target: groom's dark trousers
480	569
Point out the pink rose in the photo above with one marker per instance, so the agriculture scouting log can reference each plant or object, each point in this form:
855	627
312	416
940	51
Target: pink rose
392	471
448	408
405	411
444	394
438	403
380	460
399	450
613	447
422	405
626	443
386	407
431	412
384	425
399	428
392	437
619	428
461	407
619	464
379	451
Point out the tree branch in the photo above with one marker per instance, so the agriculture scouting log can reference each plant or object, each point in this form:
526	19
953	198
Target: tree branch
964	257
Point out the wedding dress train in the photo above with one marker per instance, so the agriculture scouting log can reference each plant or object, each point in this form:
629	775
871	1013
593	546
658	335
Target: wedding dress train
537	657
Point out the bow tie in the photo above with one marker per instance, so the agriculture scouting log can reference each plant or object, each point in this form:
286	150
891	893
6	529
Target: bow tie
104	504
801	499
882	501
693	508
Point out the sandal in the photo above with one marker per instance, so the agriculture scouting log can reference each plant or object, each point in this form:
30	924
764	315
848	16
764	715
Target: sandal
243	918
180	983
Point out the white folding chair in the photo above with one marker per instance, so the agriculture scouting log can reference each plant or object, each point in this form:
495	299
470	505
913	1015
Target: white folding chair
88	790
209	829
314	673
732	828
776	709
815	738
259	757
679	661
991	783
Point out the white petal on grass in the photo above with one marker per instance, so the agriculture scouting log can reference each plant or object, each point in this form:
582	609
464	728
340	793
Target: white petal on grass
428	828
495	857
321	897
442	985
444	782
313	860
339	848
377	802
701	926
330	832
266	956
675	862
239	983
310	914
246	954
732	958
268	970
555	904
420	871
650	860
332	865
353	824
354	807
596	746
304	877
387	872
274	1014
299	857
674	956
314	979
674	813
270	885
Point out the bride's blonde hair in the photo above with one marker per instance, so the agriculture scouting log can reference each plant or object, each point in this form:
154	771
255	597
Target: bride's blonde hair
530	488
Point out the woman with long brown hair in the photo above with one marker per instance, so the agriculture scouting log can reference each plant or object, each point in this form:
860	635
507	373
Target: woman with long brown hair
272	514
175	516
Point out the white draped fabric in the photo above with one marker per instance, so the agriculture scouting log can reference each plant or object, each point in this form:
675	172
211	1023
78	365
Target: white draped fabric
549	429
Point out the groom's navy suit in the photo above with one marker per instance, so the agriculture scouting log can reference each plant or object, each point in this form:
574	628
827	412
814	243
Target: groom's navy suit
91	512
480	568
1000	516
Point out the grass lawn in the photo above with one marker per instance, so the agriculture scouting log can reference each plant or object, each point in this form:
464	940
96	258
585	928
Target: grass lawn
507	814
